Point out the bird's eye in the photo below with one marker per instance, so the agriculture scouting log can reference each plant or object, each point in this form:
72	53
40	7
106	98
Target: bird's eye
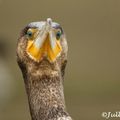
29	33
58	35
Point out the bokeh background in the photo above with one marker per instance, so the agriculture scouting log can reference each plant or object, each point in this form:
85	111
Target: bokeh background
92	81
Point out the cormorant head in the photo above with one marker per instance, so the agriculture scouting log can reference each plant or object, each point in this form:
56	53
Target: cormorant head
42	41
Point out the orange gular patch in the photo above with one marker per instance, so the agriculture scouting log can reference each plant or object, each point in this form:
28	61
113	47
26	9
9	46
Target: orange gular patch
46	50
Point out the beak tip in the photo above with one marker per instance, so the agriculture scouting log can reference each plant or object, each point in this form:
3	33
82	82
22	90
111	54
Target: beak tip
49	21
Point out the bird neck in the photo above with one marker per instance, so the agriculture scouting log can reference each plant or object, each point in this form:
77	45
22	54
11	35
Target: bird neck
46	97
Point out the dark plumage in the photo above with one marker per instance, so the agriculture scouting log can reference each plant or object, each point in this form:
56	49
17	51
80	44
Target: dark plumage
44	78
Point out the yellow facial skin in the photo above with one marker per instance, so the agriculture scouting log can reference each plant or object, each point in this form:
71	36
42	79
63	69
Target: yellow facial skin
45	50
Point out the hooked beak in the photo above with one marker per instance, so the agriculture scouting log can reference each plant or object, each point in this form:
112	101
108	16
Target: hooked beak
45	44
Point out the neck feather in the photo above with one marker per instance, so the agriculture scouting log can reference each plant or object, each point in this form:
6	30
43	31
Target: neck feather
46	97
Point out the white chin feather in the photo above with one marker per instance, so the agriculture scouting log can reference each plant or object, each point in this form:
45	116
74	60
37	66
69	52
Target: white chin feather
64	118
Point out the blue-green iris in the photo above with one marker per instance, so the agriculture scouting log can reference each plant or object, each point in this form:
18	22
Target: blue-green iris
29	33
58	35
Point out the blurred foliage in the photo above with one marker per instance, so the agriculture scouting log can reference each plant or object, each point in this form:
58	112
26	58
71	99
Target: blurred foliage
93	71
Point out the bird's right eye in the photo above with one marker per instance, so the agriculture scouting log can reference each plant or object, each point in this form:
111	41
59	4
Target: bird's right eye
29	33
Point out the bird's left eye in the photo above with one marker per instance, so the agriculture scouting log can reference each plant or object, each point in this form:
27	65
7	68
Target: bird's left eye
58	35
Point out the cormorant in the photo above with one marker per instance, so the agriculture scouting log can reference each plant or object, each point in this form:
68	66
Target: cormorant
42	57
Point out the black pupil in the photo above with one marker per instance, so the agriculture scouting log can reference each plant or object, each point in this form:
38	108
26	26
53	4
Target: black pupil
58	35
29	33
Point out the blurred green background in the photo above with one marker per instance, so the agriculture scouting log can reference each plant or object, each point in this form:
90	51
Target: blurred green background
92	80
